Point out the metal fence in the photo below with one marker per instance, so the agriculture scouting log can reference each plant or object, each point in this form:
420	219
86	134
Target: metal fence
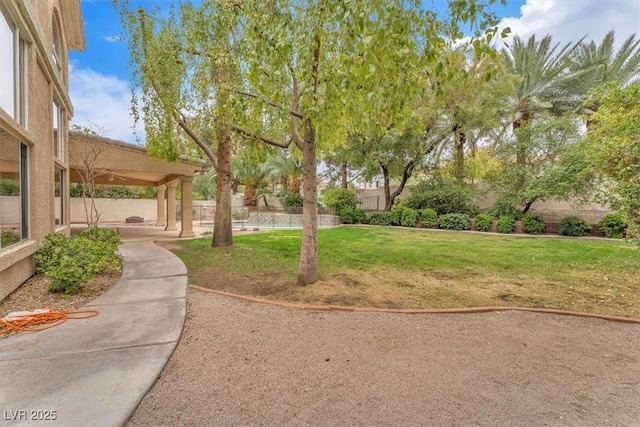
370	203
244	218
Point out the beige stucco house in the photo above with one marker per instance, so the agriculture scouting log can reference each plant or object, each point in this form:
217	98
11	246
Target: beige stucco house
37	158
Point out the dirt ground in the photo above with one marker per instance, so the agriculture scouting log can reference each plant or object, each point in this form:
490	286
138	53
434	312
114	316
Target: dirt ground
241	363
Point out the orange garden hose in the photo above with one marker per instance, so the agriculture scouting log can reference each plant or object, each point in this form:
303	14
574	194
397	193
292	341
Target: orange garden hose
31	322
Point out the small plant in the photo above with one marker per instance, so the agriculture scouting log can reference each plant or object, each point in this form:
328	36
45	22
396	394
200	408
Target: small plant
290	200
533	224
504	207
574	226
395	216
339	198
69	262
506	224
379	218
429	218
483	222
8	238
455	221
409	217
614	225
352	216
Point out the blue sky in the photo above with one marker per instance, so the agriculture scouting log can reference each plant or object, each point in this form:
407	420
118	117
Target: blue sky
99	76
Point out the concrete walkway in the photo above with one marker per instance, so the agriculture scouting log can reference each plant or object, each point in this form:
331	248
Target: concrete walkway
95	371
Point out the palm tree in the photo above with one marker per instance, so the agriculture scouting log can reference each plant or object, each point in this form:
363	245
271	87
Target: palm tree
283	165
250	174
545	83
604	65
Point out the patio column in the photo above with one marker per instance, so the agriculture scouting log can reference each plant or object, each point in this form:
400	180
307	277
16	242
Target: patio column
171	206
161	219
186	204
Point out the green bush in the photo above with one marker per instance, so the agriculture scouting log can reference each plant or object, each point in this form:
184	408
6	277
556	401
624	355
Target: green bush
455	221
290	200
429	218
395	216
8	238
614	225
379	218
352	216
504	207
338	198
443	197
574	226
71	261
506	224
533	224
409	217
483	222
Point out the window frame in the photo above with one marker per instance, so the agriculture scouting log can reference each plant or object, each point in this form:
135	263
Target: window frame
19	71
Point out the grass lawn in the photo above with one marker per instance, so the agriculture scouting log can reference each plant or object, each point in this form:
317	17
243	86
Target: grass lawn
414	268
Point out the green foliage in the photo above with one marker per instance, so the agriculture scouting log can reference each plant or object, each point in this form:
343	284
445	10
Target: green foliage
455	221
533	224
429	218
352	215
69	262
290	200
339	198
483	222
113	191
379	218
409	217
504	206
9	187
614	225
204	186
8	238
444	197
506	224
574	226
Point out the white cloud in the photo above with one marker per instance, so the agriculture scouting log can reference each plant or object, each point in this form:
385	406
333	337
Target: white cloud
570	20
113	38
103	101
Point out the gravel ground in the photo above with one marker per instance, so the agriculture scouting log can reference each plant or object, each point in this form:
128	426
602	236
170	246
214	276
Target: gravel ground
241	363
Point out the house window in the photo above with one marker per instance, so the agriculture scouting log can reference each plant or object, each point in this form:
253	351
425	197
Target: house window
13	70
58	131
14	200
59	195
57	44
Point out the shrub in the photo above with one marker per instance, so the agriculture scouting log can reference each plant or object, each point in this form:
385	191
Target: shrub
338	198
379	218
429	218
614	225
395	215
290	200
443	197
506	224
483	222
504	207
71	261
8	238
533	224
352	216
574	226
409	217
455	221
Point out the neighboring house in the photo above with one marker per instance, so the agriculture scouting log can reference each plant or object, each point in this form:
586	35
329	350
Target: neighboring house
35	39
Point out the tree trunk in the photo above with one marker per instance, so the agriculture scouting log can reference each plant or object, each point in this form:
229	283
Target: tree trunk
460	141
344	175
250	196
222	231
295	186
308	268
522	142
388	202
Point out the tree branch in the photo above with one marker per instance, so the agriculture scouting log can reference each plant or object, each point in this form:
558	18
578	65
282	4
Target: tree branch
246	134
272	103
196	138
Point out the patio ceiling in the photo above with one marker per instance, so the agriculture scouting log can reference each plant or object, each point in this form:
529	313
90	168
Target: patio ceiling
120	163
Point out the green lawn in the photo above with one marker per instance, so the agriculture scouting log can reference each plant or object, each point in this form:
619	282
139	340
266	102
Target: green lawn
414	268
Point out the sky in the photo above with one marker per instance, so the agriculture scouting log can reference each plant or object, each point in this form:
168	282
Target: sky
99	77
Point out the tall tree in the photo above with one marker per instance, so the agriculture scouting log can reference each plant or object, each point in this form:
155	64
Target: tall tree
544	71
613	147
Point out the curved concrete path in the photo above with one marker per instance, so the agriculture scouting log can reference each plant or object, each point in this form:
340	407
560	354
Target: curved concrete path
95	371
